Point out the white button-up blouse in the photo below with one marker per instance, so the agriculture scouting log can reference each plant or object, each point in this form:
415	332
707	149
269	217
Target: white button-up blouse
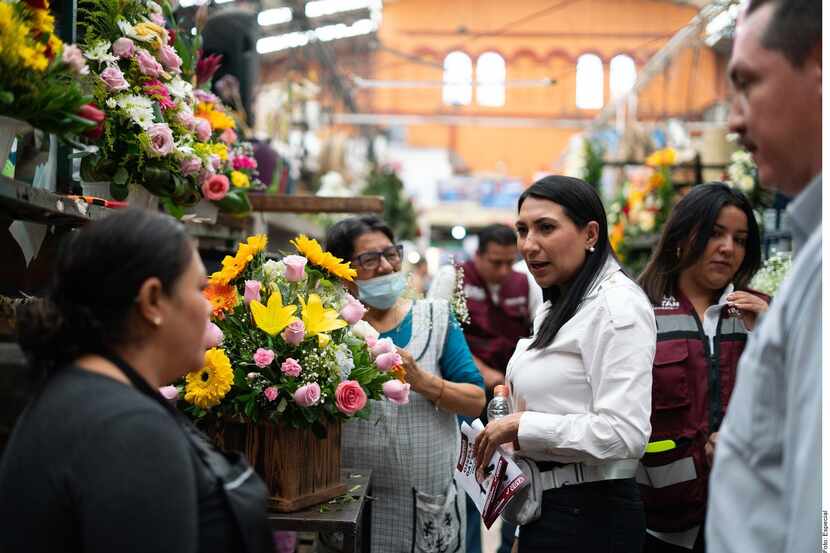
587	396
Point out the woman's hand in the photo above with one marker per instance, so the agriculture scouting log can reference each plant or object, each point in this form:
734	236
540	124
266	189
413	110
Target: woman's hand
414	375
498	432
460	398
709	448
750	306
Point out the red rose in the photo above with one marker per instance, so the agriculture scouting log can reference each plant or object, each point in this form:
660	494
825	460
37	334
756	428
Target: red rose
92	113
37	4
349	397
171	37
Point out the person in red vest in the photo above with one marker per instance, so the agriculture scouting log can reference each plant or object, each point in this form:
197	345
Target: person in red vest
697	279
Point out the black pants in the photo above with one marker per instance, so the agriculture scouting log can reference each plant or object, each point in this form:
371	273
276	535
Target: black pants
654	545
596	517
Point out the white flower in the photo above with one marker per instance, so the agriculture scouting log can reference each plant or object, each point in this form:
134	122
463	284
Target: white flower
100	51
179	88
126	28
154	7
111	103
272	270
139	109
364	330
345	363
746	183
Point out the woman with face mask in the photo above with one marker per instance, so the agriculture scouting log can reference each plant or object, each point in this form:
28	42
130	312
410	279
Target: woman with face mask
411	448
697	282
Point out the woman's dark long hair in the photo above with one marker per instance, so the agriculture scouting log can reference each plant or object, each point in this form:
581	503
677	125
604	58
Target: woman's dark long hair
581	204
96	279
688	230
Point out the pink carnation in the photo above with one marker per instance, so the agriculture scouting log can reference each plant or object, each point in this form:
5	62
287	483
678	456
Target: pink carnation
263	357
216	187
244	162
294	267
291	367
307	395
147	64
396	391
114	79
271	393
170	59
159	92
161	139
349	397
294	333
388	361
123	47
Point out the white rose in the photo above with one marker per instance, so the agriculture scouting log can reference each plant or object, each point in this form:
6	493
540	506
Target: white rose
364	330
272	270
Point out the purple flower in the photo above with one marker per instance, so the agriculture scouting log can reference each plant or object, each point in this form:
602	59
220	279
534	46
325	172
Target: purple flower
203	130
170	59
294	333
186	118
147	64
161	139
123	47
205	96
263	357
294	267
191	165
252	288
307	395
291	367
114	79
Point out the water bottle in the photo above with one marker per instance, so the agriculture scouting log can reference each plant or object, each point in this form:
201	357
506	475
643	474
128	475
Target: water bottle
499	406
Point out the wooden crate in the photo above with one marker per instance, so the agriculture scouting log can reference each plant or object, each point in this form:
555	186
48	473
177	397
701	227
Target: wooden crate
299	469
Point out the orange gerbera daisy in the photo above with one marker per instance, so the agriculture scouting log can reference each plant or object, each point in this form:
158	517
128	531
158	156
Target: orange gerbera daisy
222	298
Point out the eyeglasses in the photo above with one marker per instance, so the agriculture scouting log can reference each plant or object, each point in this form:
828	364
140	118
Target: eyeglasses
371	260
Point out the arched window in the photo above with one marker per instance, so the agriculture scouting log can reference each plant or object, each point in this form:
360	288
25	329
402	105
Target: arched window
490	75
623	75
458	79
589	82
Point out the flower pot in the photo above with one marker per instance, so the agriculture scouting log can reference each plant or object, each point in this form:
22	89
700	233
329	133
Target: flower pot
9	129
203	212
299	469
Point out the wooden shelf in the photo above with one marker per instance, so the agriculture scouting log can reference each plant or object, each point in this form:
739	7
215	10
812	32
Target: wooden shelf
20	201
315	204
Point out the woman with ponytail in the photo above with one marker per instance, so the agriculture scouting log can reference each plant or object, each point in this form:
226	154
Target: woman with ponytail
99	460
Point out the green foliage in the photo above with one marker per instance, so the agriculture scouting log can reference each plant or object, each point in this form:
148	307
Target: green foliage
594	163
398	211
98	19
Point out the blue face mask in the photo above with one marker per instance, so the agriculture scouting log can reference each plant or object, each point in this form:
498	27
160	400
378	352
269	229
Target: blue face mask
381	292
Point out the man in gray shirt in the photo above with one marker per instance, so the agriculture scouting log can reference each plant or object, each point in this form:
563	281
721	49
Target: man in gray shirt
764	492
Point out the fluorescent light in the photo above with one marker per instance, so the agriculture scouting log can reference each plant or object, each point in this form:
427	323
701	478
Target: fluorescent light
325	33
221	1
319	8
188	3
273	17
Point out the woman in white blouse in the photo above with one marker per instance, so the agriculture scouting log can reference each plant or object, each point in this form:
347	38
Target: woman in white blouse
581	385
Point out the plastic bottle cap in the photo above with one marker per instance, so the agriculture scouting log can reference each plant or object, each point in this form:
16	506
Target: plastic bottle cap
500	390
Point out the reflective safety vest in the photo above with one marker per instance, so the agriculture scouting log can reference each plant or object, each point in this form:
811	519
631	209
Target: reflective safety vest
691	386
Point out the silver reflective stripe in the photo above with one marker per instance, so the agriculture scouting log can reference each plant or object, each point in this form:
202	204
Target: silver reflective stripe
577	473
676	323
232	485
676	472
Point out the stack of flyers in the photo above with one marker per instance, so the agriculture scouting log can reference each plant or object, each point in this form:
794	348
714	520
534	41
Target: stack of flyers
502	480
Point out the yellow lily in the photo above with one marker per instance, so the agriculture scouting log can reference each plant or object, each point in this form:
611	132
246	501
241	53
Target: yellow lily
319	320
274	318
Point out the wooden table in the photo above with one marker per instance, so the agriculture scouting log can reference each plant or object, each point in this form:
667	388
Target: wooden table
351	517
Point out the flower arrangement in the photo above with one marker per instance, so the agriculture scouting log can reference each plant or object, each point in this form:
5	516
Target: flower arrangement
40	73
288	343
769	278
160	132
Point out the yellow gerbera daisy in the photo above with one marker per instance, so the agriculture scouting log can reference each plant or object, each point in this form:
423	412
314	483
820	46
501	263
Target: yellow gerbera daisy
311	250
207	386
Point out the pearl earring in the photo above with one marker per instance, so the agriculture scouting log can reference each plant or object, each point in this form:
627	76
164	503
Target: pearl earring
157	321
591	249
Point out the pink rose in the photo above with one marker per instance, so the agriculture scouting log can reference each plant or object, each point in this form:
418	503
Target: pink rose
244	162
396	391
294	267
147	64
170	393
170	59
114	79
252	288
294	333
263	357
371	341
216	187
74	58
161	139
186	118
383	345
228	136
353	310
349	397
271	393
213	336
203	129
191	165
307	395
291	367
389	360
123	47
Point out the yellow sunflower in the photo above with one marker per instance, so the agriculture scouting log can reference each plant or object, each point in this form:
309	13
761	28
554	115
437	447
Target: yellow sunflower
207	386
232	266
311	250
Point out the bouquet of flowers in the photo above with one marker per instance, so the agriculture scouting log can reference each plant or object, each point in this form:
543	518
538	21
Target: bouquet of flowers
772	274
288	343
159	133
40	73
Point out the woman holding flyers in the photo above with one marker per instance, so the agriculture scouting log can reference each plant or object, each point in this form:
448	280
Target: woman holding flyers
581	385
